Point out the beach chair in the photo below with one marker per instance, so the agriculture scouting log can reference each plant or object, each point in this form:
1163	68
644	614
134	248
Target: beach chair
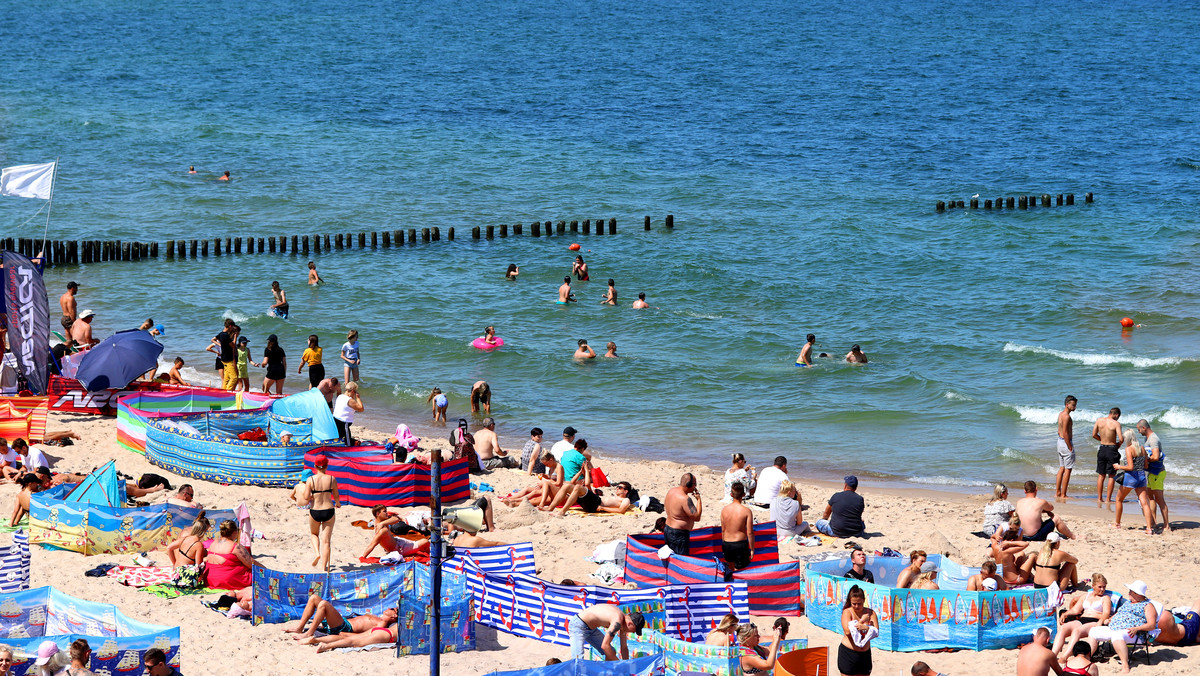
1142	643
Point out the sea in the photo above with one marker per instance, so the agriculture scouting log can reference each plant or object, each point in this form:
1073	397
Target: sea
800	147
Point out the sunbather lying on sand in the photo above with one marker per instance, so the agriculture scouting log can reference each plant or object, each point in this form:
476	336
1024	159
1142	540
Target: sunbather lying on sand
326	618
388	527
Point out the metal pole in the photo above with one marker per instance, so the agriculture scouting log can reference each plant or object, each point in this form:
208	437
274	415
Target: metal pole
436	554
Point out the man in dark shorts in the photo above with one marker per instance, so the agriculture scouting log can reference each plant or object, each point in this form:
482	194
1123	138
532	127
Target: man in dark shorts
843	514
737	530
858	567
684	508
1108	432
1181	628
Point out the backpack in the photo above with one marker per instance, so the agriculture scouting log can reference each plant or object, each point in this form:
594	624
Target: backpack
465	448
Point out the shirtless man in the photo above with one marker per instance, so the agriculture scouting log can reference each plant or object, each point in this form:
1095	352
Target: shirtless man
640	303
1108	432
583	351
909	575
737	530
684	508
465	538
313	278
1066	448
330	389
1036	659
487	446
1179	631
1030	510
326	618
224	177
384	537
481	395
805	358
598	625
986	579
610	296
67	303
185	497
564	292
81	330
856	356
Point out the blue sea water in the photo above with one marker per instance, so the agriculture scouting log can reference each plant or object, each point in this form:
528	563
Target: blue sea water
800	146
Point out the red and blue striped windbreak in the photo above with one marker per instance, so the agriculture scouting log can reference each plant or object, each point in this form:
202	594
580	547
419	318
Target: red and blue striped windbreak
774	590
367	476
645	569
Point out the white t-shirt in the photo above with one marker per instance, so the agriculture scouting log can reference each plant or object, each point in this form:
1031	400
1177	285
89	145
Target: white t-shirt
35	459
342	410
9	456
768	485
561	446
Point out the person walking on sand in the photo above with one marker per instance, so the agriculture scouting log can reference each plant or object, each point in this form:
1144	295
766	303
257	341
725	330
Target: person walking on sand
564	292
1156	472
583	351
351	359
640	303
580	269
856	356
312	359
684	508
1066	448
280	308
321	517
1108	432
610	296
737	530
805	358
860	624
68	305
314	278
440	404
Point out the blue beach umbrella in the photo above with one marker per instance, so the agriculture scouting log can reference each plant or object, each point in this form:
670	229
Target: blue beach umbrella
118	360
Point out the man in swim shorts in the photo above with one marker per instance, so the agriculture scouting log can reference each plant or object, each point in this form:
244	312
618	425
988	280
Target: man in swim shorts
683	508
1156	472
487	446
1108	432
1066	447
805	358
564	292
326	618
737	530
1030	510
1179	628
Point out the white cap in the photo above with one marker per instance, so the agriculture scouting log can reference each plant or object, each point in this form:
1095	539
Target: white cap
989	584
1054	537
1138	587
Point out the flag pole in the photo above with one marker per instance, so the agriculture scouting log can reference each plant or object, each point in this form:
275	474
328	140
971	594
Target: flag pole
50	204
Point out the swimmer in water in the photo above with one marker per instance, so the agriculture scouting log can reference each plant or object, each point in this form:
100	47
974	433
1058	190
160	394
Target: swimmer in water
314	278
580	269
612	350
640	303
856	356
610	296
440	404
280	308
192	169
584	352
564	292
805	358
225	177
512	271
489	335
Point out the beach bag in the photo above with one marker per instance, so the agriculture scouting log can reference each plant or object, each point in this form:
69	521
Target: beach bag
599	480
189	577
465	448
653	505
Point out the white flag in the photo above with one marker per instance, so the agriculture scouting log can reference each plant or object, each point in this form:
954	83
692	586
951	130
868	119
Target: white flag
28	180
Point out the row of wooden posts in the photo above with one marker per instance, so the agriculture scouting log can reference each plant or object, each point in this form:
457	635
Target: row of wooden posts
1022	202
57	252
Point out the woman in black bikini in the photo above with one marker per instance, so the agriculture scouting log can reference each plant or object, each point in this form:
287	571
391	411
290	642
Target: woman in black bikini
325	499
1053	565
188	550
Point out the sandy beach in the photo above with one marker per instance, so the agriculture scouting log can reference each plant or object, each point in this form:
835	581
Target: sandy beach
903	520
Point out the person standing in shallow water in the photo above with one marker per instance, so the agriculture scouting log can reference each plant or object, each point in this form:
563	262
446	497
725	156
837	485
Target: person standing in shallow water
225	177
610	296
640	303
1066	447
564	292
856	356
805	358
280	307
580	269
314	278
584	352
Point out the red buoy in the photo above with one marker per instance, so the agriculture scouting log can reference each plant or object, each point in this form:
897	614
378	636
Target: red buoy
574	247
1127	322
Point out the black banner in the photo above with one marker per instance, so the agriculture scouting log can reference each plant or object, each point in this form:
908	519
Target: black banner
28	319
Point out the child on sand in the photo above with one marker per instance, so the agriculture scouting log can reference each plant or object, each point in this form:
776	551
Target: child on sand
440	404
173	376
243	364
313	278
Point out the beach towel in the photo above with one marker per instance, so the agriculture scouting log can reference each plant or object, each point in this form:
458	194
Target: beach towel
142	576
405	438
170	591
9	528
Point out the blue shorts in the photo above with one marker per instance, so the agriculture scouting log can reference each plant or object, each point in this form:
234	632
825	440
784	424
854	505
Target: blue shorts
343	628
1134	479
580	633
1191	627
1040	535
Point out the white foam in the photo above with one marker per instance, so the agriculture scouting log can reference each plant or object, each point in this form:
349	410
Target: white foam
1181	418
239	317
1171	486
1097	359
947	481
1179	468
1029	459
956	396
1048	415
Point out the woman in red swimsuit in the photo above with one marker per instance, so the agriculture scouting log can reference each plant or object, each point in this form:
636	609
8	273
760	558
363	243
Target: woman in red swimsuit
228	565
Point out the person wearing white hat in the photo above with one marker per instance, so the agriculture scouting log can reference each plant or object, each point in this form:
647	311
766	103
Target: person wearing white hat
1136	614
1053	565
81	330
